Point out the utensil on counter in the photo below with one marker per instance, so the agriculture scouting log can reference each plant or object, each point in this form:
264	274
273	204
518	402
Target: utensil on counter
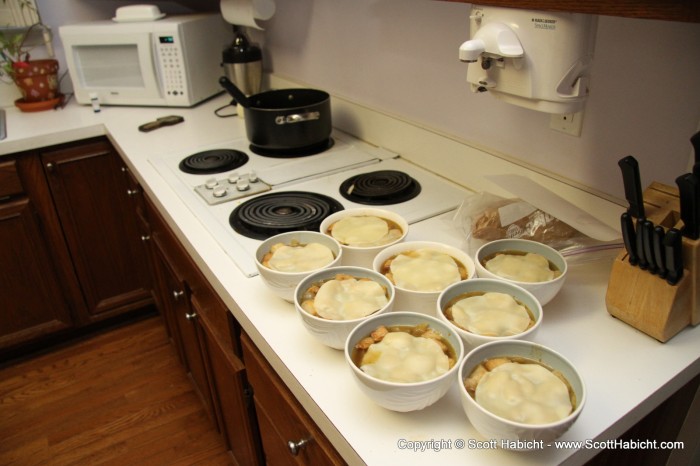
695	141
285	119
658	247
673	256
689	191
633	193
160	122
647	241
629	238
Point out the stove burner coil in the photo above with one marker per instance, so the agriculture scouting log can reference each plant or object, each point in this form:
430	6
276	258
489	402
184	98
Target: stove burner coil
382	187
213	161
270	214
312	149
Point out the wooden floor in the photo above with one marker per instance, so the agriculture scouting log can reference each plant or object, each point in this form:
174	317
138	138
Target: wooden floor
118	398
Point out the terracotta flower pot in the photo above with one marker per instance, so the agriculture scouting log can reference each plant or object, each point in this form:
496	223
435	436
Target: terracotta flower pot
37	79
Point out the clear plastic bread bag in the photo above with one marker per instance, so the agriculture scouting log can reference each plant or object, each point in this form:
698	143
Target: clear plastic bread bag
484	217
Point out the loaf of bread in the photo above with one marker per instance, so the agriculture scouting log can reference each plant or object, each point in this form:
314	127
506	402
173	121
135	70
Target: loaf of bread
536	226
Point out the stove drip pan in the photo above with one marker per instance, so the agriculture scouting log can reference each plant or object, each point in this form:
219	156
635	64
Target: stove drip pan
213	161
382	187
290	153
270	214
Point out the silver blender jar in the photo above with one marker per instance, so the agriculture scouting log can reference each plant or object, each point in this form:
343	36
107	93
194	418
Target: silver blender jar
242	62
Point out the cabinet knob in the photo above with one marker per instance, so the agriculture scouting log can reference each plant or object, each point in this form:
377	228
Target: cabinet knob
295	447
49	166
145	237
132	192
191	316
178	294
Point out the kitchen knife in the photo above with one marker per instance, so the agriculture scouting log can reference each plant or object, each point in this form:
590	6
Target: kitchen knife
673	255
628	237
633	186
642	260
633	193
647	238
657	242
695	141
689	191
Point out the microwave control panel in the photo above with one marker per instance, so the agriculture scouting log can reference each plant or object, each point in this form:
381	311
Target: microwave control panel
171	67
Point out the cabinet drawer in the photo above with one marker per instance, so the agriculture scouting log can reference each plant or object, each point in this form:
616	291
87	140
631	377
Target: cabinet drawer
285	416
10	182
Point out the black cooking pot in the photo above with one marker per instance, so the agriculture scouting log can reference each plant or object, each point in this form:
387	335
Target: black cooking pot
285	119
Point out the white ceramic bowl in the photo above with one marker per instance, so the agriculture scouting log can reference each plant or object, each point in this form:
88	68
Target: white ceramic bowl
333	333
543	291
358	255
420	301
495	427
396	396
284	283
483	285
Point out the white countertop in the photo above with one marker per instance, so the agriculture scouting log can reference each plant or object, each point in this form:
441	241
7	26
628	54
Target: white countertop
626	372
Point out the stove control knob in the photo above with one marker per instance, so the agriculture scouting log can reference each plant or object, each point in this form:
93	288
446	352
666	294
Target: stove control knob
211	183
233	178
253	177
219	192
243	184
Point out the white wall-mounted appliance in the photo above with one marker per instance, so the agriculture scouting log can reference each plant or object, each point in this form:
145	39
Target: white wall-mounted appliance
535	59
173	61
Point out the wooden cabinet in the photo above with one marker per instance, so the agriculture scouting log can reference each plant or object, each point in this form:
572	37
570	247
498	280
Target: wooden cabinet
671	10
33	302
203	332
91	196
289	435
70	253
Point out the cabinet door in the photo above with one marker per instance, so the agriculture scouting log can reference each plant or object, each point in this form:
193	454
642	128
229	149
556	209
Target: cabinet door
33	304
174	298
90	195
289	435
235	401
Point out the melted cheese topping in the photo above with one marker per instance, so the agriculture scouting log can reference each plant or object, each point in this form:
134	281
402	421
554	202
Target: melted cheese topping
401	357
349	299
424	270
300	258
491	314
530	267
525	393
364	231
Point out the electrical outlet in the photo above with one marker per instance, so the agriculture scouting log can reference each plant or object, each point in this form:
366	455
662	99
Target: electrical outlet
569	123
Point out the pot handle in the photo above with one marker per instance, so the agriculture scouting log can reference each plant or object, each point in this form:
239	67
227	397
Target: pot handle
297	118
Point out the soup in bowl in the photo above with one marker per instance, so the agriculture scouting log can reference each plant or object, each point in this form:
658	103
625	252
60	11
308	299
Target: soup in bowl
538	268
403	361
420	270
363	232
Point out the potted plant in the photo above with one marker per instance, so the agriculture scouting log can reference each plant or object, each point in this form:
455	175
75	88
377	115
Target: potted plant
37	80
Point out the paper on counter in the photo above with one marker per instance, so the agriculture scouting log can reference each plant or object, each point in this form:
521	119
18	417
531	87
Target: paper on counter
247	12
549	202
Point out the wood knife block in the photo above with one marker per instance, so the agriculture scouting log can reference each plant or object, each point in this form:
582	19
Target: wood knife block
646	301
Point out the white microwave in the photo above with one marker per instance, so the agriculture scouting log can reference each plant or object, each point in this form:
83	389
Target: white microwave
172	62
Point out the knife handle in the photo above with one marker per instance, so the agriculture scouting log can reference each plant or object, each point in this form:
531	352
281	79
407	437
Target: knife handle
657	242
647	235
695	141
639	245
673	255
633	185
689	192
629	238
